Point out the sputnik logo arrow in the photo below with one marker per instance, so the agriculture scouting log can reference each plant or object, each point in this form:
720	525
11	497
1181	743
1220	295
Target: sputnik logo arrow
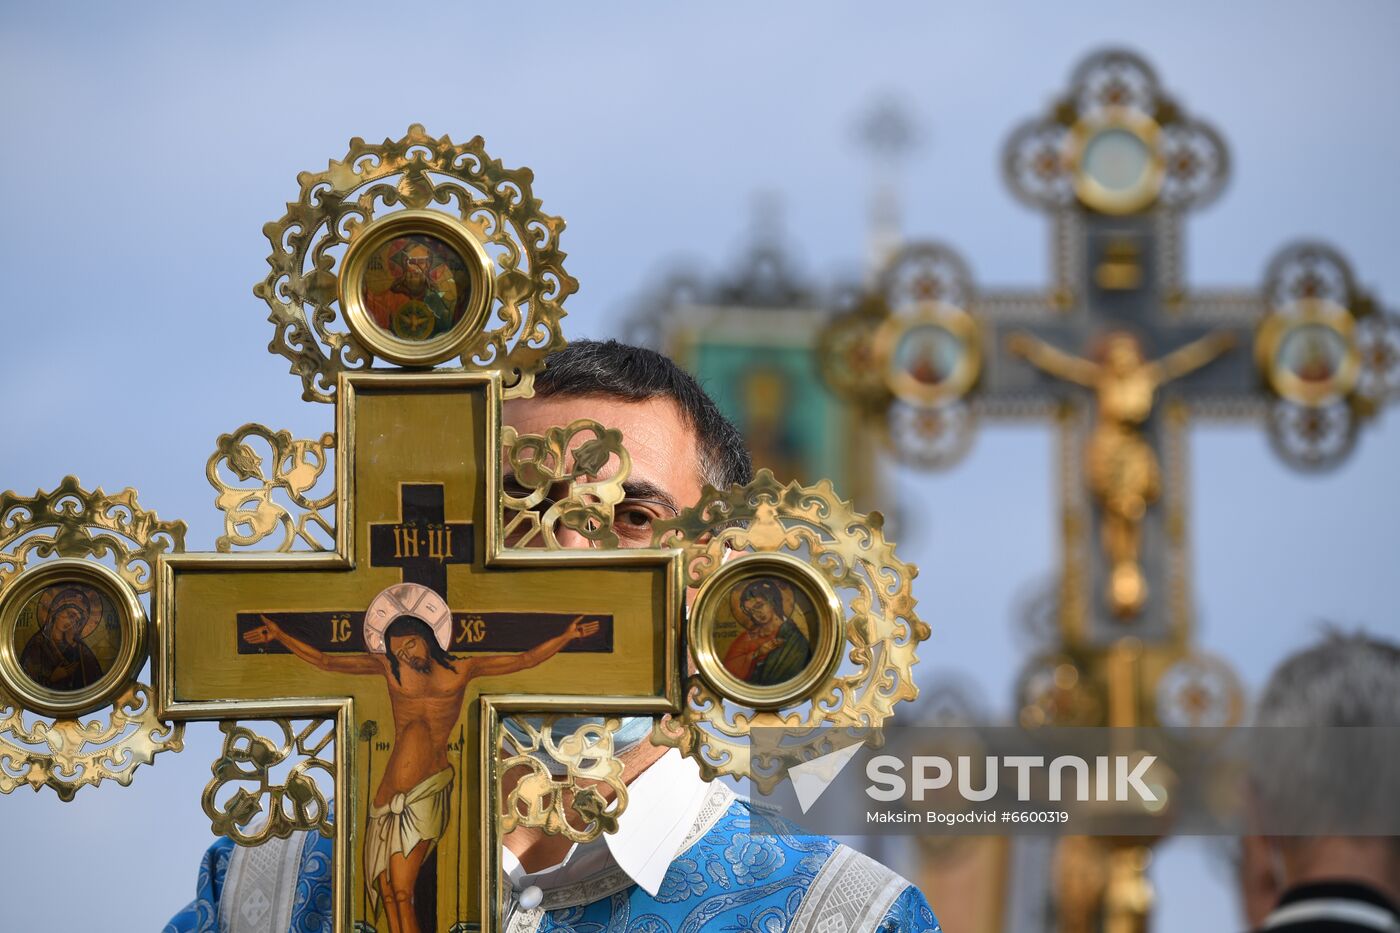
811	778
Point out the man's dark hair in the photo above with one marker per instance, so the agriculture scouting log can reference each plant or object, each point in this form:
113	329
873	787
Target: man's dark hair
404	626
636	374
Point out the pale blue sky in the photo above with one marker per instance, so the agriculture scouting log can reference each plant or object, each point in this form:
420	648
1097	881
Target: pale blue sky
146	144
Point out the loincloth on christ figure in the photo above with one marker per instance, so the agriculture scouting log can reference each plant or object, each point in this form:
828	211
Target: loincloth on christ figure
407	820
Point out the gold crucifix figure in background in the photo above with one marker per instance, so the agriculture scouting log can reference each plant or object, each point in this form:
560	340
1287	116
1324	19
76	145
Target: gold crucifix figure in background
1123	471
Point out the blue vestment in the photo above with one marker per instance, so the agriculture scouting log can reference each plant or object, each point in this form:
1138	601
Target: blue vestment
749	873
740	872
282	885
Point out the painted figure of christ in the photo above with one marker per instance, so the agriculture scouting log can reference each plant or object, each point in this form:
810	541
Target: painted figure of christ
407	631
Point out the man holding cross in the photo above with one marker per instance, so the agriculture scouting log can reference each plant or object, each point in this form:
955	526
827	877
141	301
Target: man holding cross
684	854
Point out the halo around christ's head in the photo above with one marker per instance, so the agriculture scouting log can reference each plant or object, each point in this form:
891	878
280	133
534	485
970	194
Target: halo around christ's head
407	599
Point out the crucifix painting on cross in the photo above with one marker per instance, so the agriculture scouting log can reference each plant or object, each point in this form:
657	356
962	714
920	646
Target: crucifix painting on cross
410	627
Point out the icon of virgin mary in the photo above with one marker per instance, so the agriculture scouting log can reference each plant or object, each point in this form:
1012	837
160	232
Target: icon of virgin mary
771	649
57	655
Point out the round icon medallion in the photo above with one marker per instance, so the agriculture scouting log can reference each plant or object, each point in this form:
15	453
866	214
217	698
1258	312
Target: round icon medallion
1308	352
416	287
1116	162
72	636
931	355
765	631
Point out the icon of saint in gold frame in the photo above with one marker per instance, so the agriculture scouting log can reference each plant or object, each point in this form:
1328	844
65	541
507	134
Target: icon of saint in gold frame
766	631
72	635
1308	352
416	287
931	355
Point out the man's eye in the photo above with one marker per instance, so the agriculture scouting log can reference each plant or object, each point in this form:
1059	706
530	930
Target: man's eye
633	517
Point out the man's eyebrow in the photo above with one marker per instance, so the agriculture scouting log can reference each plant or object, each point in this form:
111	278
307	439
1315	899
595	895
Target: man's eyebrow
645	489
632	489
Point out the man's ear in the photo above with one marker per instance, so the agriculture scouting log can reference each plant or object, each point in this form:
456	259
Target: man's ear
1261	878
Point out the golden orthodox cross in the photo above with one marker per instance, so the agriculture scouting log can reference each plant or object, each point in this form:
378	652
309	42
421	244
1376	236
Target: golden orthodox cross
1120	353
418	531
1118	363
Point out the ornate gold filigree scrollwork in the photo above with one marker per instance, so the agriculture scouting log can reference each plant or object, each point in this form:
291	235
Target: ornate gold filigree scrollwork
296	470
846	352
419	172
587	795
248	759
83	751
1329	354
70	522
1186	163
880	629
932	438
539	464
524	387
923	298
1199	690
